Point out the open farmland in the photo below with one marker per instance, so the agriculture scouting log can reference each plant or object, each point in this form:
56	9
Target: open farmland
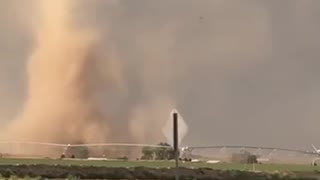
57	168
160	164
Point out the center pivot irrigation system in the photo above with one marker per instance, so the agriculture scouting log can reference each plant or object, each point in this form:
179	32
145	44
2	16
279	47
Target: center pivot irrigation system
83	145
174	130
66	147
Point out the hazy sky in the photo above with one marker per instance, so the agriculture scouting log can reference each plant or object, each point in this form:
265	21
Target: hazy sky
240	72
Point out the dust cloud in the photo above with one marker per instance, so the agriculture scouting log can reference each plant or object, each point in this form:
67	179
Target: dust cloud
61	105
65	84
239	72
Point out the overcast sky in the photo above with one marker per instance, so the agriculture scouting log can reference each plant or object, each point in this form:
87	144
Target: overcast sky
240	72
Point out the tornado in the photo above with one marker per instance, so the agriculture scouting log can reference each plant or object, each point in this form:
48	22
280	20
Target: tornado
61	106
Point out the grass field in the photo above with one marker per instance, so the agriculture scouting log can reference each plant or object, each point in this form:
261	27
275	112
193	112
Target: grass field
162	164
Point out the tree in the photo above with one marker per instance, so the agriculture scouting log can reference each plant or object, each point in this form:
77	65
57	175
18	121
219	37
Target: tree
244	157
159	153
252	159
147	153
165	152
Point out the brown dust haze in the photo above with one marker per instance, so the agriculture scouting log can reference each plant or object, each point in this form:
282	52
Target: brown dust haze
240	73
60	106
63	82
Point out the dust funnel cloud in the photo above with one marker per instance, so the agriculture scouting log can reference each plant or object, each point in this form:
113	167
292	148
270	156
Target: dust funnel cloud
61	105
80	91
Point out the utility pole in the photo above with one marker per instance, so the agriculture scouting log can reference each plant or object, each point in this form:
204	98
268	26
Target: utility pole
175	142
175	130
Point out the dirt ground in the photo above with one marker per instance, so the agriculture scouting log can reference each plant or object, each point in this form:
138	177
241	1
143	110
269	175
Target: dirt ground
47	171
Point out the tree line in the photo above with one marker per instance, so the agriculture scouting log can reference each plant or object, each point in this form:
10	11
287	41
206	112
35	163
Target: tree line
158	153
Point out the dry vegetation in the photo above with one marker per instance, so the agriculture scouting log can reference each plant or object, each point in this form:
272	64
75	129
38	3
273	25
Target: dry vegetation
46	168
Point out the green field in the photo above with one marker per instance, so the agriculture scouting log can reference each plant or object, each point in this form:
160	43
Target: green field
162	164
